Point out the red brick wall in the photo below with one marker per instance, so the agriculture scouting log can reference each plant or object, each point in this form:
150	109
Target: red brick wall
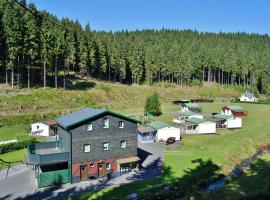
94	170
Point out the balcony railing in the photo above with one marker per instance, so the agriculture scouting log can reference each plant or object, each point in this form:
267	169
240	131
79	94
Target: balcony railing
45	153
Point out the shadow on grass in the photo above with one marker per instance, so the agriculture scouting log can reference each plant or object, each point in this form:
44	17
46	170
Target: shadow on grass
252	184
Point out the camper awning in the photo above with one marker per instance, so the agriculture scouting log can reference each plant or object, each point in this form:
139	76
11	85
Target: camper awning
128	160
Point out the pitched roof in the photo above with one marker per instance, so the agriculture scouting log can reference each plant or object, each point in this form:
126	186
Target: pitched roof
249	95
195	120
51	122
186	113
235	108
221	116
84	114
158	125
192	105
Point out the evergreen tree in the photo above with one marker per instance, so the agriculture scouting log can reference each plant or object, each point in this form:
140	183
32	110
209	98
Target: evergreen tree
152	104
47	43
31	41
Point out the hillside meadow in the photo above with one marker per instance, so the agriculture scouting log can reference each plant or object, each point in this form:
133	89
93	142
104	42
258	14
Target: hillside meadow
18	109
226	149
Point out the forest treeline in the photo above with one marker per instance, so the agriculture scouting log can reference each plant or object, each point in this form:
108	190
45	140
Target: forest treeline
37	48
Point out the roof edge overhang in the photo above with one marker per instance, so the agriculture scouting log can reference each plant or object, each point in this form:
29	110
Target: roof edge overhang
69	127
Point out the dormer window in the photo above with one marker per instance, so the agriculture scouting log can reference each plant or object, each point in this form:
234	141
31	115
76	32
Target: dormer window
105	123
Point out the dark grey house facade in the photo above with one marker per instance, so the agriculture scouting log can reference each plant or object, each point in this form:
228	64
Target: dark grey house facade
99	143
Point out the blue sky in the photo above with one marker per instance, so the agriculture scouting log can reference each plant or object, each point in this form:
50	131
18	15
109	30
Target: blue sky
252	16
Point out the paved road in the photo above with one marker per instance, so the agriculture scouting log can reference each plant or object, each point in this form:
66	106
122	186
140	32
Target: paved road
21	183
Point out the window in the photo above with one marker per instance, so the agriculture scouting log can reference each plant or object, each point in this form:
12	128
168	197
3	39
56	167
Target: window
105	123
87	148
89	127
37	127
121	124
108	166
123	144
106	146
92	165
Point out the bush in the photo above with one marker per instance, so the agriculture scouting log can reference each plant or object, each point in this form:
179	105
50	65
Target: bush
196	82
21	144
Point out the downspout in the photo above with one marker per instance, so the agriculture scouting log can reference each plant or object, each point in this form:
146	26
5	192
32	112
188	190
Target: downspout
70	157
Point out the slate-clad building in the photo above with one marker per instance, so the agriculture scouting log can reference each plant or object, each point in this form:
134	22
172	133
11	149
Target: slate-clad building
98	143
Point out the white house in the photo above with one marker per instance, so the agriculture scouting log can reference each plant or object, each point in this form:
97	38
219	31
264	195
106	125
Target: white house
198	126
180	117
192	107
43	128
164	131
234	110
248	97
227	121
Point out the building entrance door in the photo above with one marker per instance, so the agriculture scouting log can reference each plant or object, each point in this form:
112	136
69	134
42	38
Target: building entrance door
83	174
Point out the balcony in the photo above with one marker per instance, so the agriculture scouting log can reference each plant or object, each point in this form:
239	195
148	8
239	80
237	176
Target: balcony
46	153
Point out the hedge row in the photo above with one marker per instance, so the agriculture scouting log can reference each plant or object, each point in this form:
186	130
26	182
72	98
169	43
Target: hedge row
21	144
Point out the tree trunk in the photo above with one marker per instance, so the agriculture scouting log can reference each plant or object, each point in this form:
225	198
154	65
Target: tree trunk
55	73
12	78
18	76
64	86
6	75
203	74
219	76
28	77
44	75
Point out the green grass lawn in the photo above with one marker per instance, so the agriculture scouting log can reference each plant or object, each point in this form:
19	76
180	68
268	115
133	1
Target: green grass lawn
13	132
254	180
226	149
13	156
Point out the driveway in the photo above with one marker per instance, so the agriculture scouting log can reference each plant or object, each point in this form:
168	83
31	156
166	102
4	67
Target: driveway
21	183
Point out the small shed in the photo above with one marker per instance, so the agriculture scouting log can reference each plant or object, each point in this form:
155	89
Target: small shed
234	110
146	134
164	131
248	97
47	128
198	126
180	117
193	107
227	121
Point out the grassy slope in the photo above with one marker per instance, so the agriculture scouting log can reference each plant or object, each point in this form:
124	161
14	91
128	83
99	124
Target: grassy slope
254	180
226	149
20	108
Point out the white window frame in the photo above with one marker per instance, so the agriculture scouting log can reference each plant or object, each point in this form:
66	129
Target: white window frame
84	148
89	127
106	146
121	123
105	123
123	142
108	166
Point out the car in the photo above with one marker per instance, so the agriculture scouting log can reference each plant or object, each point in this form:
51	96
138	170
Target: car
170	140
